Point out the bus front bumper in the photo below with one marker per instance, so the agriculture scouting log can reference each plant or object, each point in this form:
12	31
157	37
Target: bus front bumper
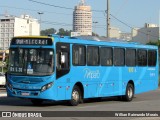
48	94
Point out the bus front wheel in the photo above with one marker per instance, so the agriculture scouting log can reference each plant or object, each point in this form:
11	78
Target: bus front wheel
75	96
129	93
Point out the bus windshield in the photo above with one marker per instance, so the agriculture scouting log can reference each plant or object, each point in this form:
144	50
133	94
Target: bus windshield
36	62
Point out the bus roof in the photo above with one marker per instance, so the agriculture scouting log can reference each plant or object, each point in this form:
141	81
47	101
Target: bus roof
34	36
94	40
90	40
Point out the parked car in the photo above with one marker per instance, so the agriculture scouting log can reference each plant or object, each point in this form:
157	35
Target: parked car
2	80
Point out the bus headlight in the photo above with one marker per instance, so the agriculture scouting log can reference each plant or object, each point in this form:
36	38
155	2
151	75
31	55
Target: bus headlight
47	86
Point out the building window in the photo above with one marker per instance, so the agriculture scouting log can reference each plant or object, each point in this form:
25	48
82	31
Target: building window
79	55
7	30
2	34
12	25
7	35
2	25
106	56
2	30
11	35
11	30
92	56
130	57
119	55
152	58
142	57
7	25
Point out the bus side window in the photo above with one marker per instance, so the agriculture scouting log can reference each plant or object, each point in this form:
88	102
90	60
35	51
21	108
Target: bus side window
93	56
106	56
62	59
142	57
152	58
118	58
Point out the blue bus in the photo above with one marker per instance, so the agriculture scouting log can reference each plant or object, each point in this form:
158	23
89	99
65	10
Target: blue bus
76	68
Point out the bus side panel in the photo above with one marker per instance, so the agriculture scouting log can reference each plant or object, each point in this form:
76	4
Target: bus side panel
146	79
88	77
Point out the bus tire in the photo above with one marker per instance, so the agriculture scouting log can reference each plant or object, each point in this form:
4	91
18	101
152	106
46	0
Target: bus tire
75	96
129	93
37	102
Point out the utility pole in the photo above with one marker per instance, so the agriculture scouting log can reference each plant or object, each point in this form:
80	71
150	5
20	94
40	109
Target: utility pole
95	22
108	18
40	13
148	36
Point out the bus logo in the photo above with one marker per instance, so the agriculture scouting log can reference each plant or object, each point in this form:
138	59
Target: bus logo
91	74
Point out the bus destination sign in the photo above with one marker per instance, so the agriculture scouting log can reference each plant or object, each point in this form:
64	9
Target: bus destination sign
31	41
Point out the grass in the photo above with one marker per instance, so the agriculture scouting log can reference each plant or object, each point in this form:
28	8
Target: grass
4	69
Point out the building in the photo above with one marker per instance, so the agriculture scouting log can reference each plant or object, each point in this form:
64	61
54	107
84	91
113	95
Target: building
126	36
149	33
114	32
11	26
82	19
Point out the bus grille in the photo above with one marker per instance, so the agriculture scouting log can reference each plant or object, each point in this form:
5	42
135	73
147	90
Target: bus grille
27	80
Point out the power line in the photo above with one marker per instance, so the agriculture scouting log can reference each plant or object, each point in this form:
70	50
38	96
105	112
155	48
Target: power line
132	27
59	23
64	24
62	7
56	23
97	26
36	10
122	6
50	5
70	25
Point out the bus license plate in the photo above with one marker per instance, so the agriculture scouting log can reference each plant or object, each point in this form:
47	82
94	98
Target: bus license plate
25	94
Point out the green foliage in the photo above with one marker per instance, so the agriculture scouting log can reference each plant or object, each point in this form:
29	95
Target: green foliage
94	34
154	43
61	32
48	31
4	70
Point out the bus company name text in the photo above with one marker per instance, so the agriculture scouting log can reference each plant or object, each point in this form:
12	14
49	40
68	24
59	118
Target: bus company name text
91	74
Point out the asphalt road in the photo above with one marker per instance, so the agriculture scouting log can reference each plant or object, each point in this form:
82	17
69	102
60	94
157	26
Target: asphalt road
149	101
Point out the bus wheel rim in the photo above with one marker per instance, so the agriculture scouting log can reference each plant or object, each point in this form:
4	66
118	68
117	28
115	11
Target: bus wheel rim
130	92
75	95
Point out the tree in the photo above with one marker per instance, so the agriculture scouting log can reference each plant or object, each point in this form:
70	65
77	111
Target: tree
63	32
94	34
154	43
48	31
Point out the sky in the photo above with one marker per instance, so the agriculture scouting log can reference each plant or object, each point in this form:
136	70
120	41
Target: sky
133	13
